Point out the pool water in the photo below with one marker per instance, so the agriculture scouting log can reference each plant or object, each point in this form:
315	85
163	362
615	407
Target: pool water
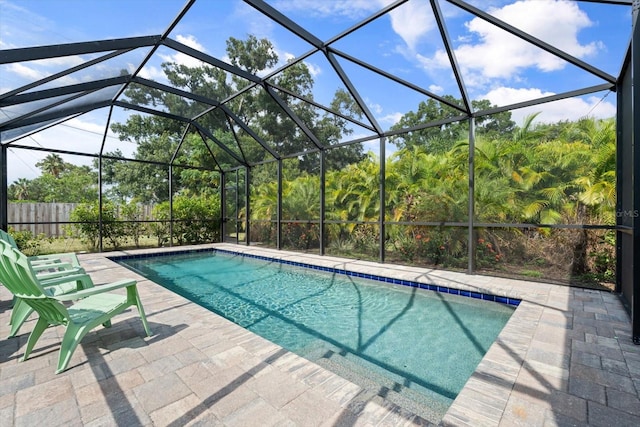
416	346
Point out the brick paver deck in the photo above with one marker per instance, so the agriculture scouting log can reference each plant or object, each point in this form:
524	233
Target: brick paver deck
564	358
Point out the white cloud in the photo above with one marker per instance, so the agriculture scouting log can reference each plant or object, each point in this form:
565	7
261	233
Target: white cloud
21	73
392	118
375	108
149	72
570	109
24	72
87	126
412	21
182	59
436	89
378	111
190	41
256	23
352	9
314	69
499	55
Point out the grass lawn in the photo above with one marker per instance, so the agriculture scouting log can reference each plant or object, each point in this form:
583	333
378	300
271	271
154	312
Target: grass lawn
61	245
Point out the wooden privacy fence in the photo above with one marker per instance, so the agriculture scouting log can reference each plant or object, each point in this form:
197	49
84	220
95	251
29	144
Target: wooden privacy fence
47	218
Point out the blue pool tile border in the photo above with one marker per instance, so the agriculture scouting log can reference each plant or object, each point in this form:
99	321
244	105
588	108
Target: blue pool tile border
430	287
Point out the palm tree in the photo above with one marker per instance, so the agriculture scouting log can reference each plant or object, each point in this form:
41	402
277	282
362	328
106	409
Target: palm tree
598	185
21	189
355	191
53	164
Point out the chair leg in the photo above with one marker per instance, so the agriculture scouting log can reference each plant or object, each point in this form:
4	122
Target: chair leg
72	337
41	325
143	317
134	298
20	313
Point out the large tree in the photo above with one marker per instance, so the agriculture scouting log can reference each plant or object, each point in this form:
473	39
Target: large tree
256	108
60	182
442	137
53	164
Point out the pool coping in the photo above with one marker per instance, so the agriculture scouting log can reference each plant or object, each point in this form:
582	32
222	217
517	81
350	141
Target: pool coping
526	375
564	357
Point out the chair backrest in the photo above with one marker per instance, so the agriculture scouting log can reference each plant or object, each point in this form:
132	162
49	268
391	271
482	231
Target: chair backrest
5	267
4	273
19	278
4	235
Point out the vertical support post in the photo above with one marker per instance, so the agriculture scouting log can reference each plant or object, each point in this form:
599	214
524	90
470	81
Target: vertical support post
100	167
322	200
247	211
4	205
471	212
223	205
621	100
236	219
100	202
279	208
381	220
635	70
170	205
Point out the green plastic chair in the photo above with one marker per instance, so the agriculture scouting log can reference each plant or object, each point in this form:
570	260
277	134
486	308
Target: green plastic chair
91	307
57	282
61	261
47	268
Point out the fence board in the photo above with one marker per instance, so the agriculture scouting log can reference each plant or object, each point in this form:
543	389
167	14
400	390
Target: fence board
46	218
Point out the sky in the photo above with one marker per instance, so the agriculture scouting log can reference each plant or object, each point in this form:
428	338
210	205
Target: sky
495	65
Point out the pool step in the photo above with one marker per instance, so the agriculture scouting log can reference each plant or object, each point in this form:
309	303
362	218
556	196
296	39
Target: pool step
364	374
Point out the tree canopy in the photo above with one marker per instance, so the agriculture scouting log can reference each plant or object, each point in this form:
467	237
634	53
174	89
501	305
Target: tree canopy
257	127
59	181
442	137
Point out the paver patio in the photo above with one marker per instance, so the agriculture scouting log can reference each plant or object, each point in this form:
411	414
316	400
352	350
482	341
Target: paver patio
564	358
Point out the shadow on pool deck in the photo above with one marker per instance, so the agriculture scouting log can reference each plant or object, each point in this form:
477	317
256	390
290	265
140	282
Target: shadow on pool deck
564	358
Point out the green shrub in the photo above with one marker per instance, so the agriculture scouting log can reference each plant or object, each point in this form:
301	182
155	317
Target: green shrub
160	228
303	236
133	229
196	220
29	244
87	219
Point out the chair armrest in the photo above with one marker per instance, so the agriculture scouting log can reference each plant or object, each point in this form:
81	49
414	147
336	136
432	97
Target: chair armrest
44	261
56	265
50	258
96	290
63	273
80	277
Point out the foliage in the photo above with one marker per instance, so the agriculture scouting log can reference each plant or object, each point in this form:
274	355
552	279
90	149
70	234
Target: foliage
160	227
301	236
439	139
158	138
29	244
59	182
87	225
133	229
263	232
604	257
540	174
196	220
52	165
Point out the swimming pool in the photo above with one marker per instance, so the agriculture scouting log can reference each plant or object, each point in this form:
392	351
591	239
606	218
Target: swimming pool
415	347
